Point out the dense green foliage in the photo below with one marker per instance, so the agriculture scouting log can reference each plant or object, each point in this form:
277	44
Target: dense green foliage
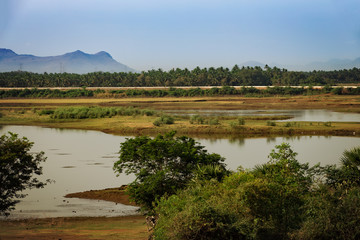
94	112
161	165
17	169
249	76
281	199
348	174
175	92
47	93
164	119
197	119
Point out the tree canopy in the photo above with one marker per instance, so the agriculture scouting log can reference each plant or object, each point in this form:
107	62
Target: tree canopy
17	170
281	199
236	76
162	165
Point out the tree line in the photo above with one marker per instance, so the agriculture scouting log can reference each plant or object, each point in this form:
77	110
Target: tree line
176	92
236	76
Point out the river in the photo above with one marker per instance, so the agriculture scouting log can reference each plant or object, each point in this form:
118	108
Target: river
79	160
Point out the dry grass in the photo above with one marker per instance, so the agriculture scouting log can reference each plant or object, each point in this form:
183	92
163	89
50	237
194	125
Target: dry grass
129	227
23	112
333	102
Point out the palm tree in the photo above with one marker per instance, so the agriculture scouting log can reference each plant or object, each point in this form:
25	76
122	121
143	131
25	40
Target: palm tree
350	162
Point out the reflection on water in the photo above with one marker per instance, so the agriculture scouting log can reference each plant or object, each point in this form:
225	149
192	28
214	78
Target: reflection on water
313	115
252	151
75	161
83	160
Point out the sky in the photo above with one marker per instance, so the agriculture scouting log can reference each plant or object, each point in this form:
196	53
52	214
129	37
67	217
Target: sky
166	34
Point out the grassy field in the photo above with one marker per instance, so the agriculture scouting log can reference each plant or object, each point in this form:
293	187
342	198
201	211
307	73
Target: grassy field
325	101
25	112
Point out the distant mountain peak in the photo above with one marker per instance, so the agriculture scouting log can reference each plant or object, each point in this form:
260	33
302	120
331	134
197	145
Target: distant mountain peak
4	52
76	53
72	62
103	53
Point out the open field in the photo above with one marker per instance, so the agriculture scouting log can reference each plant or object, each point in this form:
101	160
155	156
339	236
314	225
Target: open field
25	112
333	102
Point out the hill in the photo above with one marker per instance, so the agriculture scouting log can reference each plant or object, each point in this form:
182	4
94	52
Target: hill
73	62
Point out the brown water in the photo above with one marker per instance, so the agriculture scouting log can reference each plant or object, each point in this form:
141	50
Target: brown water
82	160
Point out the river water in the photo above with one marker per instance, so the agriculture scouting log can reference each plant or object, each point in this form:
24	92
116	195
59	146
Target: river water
80	160
309	115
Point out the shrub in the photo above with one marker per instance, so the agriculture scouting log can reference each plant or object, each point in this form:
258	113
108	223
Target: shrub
264	203
96	112
201	212
164	119
290	124
327	124
196	119
157	122
271	123
241	121
213	121
46	112
331	215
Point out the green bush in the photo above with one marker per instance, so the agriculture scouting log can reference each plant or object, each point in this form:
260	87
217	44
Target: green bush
157	122
96	112
327	124
200	212
197	119
290	124
237	125
271	123
264	203
164	119
241	121
213	121
331	215
46	112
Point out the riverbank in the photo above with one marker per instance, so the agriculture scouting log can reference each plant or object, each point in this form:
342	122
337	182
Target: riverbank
75	228
80	228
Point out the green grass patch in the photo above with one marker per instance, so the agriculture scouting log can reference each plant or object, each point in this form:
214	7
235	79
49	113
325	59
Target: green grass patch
96	112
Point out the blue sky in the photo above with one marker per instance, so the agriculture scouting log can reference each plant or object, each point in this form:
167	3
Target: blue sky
146	34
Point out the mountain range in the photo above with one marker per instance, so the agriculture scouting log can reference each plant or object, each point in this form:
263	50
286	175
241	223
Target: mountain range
80	62
73	62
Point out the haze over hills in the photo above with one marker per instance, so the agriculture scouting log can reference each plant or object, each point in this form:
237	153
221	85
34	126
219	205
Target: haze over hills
80	62
73	62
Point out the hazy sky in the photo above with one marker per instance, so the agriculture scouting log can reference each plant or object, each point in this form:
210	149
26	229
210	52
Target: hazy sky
145	34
